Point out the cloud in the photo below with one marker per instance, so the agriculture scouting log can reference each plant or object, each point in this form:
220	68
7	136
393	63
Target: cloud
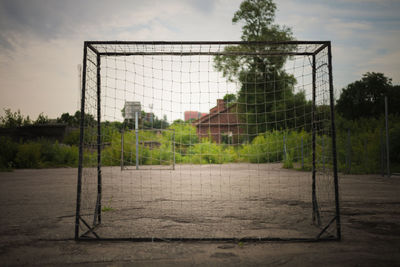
204	6
41	41
48	19
364	34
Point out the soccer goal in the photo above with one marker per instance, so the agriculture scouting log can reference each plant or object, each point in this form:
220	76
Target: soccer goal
207	141
153	149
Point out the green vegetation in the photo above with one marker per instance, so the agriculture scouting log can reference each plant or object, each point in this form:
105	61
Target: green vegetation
106	208
38	154
263	78
365	98
362	147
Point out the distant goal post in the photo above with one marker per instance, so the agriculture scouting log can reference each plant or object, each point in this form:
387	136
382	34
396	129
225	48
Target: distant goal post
155	149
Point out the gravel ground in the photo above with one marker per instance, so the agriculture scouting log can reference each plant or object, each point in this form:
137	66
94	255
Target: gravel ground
240	200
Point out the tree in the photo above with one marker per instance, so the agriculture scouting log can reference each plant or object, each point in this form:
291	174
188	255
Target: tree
365	97
264	82
14	119
41	119
229	99
89	119
68	119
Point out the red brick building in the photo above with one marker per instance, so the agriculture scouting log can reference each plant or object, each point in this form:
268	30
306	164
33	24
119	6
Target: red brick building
222	124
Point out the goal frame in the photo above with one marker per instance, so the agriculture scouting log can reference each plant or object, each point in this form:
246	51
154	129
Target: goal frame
90	45
125	167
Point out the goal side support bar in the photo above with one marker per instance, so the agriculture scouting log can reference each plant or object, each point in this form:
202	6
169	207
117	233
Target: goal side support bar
334	153
81	126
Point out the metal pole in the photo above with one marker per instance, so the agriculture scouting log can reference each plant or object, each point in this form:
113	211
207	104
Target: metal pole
315	214
284	148
382	154
122	148
348	151
323	154
81	126
333	129
99	182
366	155
173	149
387	137
302	154
137	138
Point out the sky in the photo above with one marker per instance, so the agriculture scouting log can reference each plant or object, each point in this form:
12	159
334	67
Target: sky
41	41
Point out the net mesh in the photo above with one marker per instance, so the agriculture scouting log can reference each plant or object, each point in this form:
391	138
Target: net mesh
225	141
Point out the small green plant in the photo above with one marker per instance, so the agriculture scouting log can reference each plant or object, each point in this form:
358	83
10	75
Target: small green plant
106	208
288	161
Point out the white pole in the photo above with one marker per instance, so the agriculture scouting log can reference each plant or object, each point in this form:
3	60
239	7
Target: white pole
137	138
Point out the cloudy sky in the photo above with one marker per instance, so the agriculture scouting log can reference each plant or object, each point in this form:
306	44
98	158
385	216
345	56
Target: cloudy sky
41	41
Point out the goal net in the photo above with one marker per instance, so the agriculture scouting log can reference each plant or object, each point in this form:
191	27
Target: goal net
223	141
155	149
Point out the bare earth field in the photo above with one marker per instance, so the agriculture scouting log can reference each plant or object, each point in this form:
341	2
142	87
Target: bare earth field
38	215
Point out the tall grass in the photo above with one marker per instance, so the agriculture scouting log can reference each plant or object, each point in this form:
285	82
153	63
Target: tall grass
291	148
39	154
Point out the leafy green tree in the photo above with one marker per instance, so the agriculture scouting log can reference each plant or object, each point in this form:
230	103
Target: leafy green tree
229	99
178	121
13	119
149	120
365	97
68	119
146	121
185	133
42	119
266	93
89	119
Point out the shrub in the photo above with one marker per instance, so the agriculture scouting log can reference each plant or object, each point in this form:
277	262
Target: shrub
28	155
206	152
185	136
72	137
394	143
271	146
288	161
65	155
8	151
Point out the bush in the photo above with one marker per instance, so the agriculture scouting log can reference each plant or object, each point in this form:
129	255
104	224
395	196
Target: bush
161	156
64	155
72	138
8	151
206	152
272	146
394	143
185	136
110	155
288	161
28	155
366	141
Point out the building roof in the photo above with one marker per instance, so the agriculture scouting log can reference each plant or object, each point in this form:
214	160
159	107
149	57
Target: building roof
208	117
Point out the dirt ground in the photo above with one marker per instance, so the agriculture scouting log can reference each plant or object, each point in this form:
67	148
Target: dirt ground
38	215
